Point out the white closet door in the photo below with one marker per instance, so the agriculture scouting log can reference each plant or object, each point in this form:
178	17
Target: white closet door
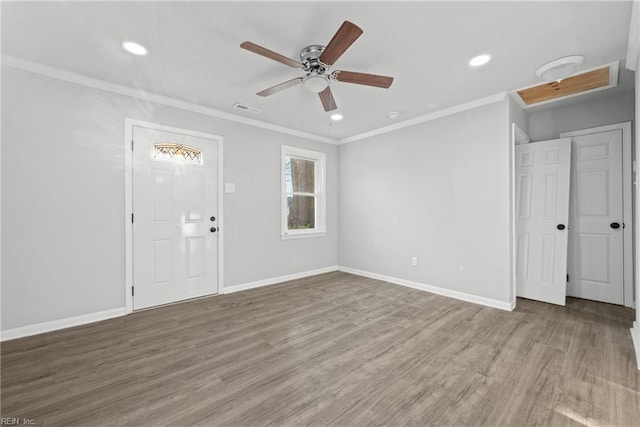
542	213
596	238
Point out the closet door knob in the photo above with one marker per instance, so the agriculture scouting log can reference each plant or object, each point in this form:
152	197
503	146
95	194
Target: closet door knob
615	225
561	227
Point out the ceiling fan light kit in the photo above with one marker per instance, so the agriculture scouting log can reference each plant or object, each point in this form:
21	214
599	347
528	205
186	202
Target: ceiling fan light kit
561	68
316	83
316	60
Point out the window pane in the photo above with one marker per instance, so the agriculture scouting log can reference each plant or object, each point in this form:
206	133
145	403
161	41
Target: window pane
299	175
301	212
168	150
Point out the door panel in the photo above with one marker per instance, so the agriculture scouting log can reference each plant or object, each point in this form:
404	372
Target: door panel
542	175
161	261
174	197
548	258
550	196
195	257
595	249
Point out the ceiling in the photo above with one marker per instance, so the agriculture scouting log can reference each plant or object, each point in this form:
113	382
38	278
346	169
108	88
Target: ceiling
194	52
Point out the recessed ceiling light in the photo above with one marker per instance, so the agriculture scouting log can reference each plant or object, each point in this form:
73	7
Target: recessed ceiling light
135	48
336	116
393	114
480	60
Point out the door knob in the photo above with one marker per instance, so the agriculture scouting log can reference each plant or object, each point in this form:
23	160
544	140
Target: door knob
615	225
213	218
561	226
213	229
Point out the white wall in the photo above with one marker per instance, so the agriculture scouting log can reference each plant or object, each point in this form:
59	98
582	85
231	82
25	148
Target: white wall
439	191
548	124
63	214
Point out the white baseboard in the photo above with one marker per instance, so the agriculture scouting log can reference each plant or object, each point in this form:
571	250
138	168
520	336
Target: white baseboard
502	305
274	280
635	337
54	325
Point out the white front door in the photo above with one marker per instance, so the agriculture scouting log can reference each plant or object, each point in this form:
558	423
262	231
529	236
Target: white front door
542	212
595	237
175	240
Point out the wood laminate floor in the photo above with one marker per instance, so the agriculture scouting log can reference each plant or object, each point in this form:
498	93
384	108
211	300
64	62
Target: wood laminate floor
333	349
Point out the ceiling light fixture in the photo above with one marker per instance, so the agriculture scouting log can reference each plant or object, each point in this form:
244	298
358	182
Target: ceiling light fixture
315	82
135	48
561	68
480	60
336	117
393	114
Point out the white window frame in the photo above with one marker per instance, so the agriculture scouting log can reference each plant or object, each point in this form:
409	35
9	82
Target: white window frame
320	186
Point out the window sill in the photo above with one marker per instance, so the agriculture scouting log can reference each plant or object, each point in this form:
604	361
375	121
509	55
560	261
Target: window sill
303	235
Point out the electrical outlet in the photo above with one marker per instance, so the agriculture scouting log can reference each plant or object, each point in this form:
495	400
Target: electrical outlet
414	261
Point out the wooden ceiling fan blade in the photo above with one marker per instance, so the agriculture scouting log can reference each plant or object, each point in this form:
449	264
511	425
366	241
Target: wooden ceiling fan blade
343	38
252	47
280	87
326	97
363	79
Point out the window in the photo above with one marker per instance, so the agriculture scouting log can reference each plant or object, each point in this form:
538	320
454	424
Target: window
303	193
171	151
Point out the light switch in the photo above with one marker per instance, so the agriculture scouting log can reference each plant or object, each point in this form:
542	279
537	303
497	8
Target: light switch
229	187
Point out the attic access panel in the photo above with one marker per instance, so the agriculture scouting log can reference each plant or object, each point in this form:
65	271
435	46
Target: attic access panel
579	84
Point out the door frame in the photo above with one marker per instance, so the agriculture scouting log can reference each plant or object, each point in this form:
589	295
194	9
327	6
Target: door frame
627	202
128	200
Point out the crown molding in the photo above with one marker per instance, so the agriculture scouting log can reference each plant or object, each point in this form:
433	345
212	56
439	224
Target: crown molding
68	76
427	117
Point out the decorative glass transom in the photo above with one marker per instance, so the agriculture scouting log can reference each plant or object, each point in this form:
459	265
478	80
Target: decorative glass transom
167	150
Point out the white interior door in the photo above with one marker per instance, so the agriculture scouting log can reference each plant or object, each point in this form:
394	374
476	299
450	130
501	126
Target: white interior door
595	237
542	212
175	240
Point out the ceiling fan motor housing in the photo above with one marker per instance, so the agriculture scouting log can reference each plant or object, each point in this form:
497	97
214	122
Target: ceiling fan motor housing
310	58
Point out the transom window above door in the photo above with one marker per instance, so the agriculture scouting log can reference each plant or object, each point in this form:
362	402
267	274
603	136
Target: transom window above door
173	151
303	193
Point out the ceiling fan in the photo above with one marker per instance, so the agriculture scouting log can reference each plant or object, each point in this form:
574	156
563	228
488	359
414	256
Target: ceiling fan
316	60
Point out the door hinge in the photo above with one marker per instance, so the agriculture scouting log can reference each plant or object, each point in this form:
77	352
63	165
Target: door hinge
131	217
567	277
132	145
132	291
